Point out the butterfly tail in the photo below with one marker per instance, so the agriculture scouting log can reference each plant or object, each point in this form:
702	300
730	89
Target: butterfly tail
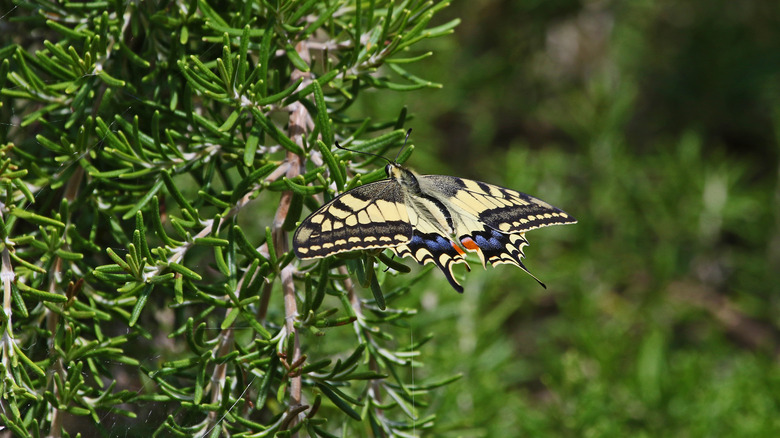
501	248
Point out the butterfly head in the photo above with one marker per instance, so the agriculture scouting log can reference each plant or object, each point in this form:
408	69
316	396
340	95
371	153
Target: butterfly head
394	170
403	176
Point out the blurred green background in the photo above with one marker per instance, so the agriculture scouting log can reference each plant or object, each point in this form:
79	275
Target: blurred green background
655	124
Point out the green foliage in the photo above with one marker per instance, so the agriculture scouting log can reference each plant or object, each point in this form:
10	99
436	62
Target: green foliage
146	151
153	162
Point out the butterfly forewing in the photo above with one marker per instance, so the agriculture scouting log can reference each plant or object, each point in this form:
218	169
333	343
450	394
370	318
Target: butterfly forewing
367	217
502	209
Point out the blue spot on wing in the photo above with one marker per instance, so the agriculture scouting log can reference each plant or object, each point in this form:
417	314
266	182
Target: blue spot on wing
492	242
498	247
432	242
436	247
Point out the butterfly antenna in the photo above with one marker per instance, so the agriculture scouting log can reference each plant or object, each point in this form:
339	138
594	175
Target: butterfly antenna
360	152
408	133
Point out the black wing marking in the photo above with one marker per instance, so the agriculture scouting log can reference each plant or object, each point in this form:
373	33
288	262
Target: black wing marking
366	217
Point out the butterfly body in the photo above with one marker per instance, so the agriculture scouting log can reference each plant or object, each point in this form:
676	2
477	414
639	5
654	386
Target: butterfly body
431	218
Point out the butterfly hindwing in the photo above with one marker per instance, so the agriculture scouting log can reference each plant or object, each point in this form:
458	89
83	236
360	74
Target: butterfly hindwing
492	246
434	248
370	216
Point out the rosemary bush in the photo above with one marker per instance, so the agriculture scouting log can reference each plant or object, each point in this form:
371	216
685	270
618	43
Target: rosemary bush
155	157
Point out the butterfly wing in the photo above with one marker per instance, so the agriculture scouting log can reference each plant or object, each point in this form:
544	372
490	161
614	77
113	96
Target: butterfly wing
366	217
486	219
504	210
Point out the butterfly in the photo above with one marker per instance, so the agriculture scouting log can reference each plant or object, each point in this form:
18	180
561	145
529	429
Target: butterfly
431	218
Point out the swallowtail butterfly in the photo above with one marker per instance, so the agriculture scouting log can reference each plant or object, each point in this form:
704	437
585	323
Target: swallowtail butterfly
431	218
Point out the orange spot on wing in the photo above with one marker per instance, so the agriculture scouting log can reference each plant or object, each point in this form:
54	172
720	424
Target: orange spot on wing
470	244
458	248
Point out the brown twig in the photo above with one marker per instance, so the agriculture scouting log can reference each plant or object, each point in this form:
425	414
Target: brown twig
6	338
300	122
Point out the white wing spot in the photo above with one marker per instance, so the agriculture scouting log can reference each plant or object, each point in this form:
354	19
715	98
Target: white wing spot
423	254
472	185
339	213
374	213
490	202
304	234
358	204
390	210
